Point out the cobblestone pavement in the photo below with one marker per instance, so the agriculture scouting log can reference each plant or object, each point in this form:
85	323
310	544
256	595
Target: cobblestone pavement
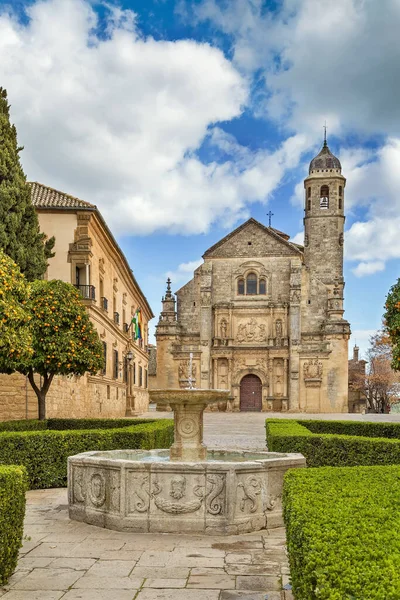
75	561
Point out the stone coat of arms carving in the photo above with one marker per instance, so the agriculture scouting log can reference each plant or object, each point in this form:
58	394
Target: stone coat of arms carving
312	371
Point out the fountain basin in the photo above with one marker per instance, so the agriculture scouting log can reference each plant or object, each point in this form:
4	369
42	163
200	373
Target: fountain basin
230	492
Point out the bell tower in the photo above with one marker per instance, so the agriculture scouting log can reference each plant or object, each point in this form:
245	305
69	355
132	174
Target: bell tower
324	218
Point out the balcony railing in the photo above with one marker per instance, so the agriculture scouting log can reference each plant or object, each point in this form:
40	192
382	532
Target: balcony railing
88	292
116	318
104	303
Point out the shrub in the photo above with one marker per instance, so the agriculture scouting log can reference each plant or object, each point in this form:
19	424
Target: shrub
383	430
342	527
23	425
63	424
12	511
45	453
325	449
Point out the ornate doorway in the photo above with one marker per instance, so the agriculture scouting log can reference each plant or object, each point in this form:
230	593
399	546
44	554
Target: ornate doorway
250	393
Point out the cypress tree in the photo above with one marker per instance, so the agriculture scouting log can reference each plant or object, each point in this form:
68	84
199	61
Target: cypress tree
20	236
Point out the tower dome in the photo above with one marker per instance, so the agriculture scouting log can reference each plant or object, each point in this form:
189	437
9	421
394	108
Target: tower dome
324	161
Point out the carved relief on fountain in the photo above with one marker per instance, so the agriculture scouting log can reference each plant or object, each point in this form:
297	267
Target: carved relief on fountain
138	496
97	488
249	494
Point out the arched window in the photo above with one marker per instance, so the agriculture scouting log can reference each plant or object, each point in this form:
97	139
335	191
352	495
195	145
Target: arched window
324	197
262	287
309	193
340	190
309	205
340	204
251	284
241	287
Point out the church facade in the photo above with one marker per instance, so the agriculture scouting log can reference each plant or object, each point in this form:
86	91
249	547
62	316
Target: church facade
262	316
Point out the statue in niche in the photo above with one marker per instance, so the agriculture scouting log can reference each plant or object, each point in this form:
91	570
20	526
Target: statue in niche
278	328
223	328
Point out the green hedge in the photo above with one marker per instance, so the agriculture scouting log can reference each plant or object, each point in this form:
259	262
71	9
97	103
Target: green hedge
342	528
324	449
45	453
12	512
382	430
62	424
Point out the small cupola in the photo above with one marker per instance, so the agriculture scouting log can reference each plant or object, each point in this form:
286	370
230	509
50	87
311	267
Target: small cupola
325	161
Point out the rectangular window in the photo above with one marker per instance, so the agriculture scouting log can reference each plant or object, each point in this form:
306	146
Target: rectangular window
134	373
115	366
140	376
104	371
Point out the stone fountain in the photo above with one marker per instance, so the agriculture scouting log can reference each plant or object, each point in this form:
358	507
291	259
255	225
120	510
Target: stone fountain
184	490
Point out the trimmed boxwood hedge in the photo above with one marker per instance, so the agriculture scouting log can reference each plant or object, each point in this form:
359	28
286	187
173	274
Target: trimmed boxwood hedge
13	485
62	424
331	449
44	453
342	527
383	430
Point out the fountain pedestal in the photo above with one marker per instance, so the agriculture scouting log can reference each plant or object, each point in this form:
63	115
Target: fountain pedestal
188	407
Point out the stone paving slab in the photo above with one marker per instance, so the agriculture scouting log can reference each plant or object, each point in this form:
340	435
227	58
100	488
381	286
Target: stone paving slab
75	561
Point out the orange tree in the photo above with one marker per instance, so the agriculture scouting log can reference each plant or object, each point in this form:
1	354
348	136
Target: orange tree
392	322
64	340
15	336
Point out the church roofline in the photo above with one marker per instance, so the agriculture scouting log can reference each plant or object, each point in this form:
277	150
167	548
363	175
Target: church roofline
281	237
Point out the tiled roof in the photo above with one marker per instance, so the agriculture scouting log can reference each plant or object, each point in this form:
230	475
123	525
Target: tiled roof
46	197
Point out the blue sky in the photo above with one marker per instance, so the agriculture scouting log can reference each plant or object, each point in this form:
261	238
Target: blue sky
180	119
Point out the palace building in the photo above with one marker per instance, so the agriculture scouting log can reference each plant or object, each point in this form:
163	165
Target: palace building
88	256
262	316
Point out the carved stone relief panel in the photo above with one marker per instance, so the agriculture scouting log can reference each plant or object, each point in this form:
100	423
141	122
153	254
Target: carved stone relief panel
138	493
205	298
223	371
251	331
312	371
178	493
295	296
79	485
216	494
249	494
97	489
279	374
184	367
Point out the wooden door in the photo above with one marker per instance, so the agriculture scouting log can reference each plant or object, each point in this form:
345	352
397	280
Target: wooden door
250	393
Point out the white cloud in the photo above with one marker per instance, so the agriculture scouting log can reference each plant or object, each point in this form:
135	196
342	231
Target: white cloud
368	268
298	238
184	272
318	59
117	120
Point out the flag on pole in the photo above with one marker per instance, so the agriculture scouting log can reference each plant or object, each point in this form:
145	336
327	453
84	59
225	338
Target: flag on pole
137	324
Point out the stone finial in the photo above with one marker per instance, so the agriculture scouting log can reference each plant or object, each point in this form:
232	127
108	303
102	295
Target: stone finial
168	294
